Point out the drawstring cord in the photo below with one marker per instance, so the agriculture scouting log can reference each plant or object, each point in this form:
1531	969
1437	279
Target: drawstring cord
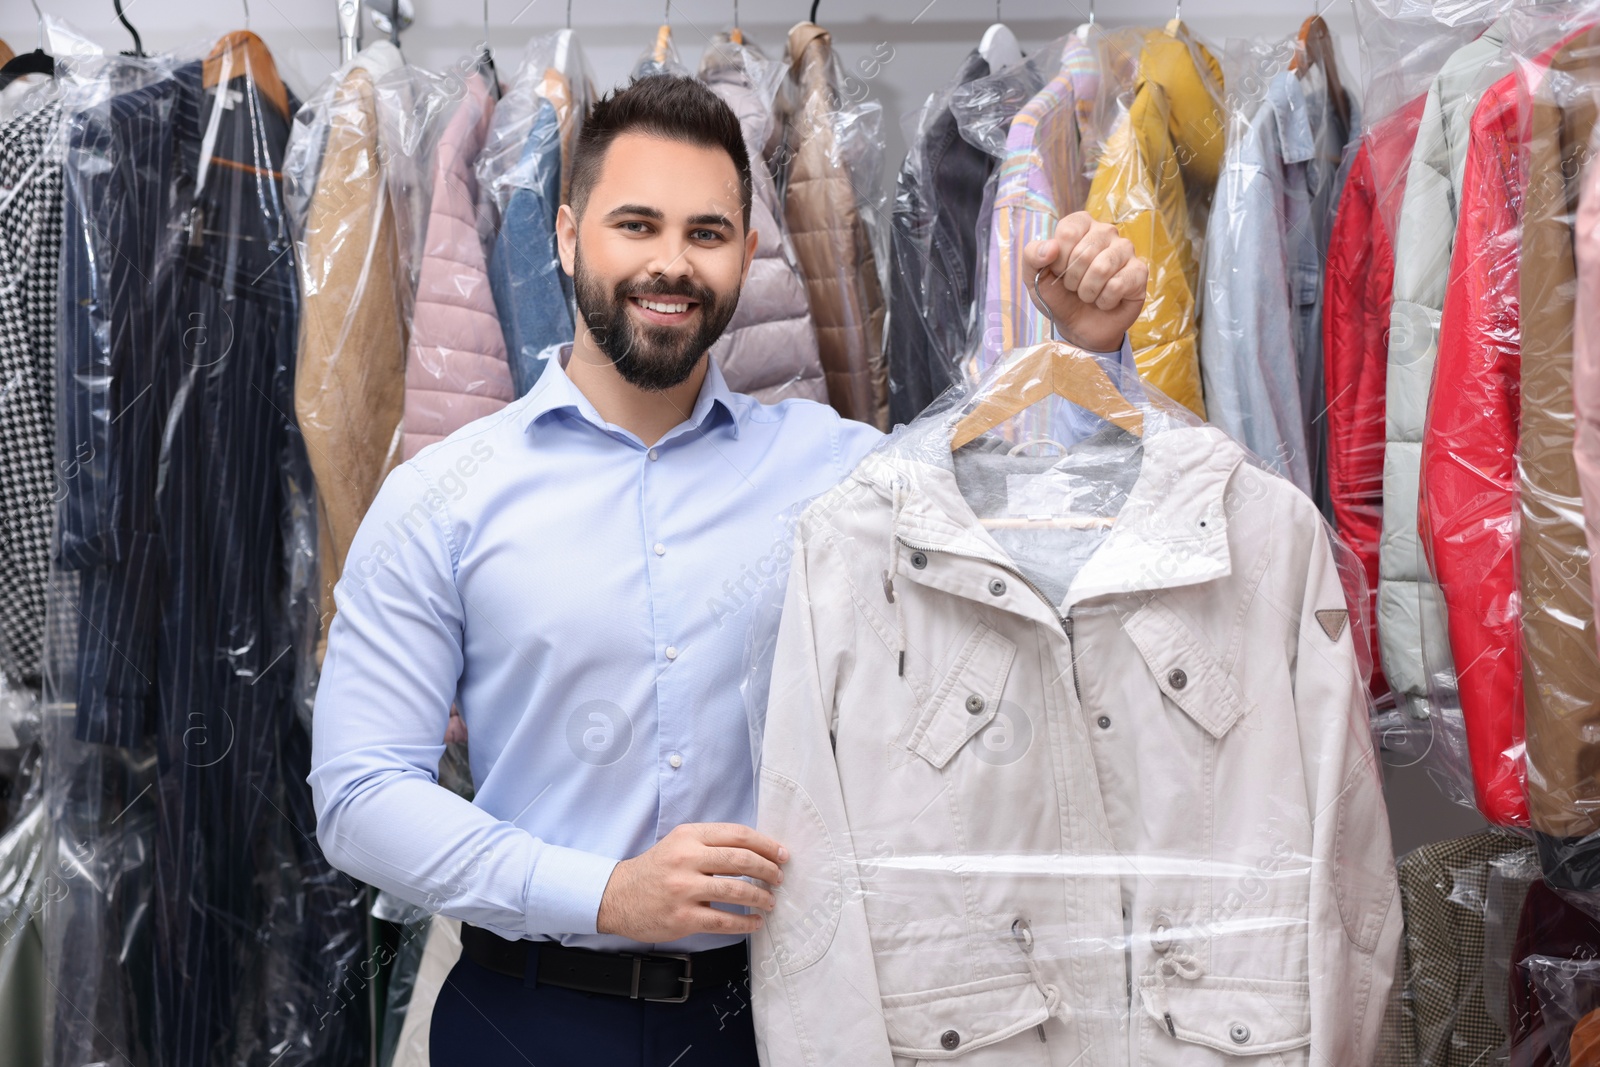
1176	963
1023	933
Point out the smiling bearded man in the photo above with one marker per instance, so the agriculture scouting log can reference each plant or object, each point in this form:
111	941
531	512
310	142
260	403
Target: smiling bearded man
605	870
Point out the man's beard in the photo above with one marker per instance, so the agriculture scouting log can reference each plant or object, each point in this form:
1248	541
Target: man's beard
654	358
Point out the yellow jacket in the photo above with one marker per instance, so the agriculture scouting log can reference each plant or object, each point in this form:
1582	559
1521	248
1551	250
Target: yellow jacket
1164	156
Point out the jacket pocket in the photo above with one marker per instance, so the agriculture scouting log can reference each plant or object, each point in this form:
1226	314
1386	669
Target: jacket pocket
1186	669
966	699
1233	1016
949	1023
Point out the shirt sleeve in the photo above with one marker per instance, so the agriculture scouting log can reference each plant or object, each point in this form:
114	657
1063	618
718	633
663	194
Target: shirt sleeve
393	663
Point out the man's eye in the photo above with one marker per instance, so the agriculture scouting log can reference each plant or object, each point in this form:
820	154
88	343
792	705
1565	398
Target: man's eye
642	226
708	235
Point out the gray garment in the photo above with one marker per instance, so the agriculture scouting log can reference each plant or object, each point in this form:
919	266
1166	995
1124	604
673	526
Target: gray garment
1411	612
1261	323
770	347
25	887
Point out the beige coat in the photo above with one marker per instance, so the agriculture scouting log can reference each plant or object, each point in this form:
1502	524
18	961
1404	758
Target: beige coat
1138	820
349	391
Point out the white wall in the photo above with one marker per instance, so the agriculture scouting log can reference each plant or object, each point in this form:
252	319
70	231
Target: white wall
928	38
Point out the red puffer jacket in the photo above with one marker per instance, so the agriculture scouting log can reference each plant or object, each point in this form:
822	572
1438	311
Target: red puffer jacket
1358	289
1468	519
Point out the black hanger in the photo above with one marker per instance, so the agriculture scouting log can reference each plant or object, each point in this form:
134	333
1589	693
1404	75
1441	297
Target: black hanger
138	44
814	4
37	61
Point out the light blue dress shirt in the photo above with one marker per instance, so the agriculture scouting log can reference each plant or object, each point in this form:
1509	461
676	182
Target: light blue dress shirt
587	601
1261	313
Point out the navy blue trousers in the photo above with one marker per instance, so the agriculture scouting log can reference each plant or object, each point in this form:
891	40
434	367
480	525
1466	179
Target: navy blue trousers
486	1019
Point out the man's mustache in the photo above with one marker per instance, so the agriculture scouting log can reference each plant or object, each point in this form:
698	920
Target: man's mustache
666	288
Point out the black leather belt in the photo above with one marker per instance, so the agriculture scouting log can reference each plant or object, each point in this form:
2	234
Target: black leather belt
664	977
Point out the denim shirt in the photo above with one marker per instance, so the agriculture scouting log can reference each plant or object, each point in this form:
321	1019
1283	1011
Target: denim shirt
531	291
1261	325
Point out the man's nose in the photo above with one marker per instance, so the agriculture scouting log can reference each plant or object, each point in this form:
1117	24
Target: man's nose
670	259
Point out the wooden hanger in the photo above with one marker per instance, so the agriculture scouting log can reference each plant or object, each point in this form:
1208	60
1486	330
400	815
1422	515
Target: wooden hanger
1037	372
1314	44
5	53
243	53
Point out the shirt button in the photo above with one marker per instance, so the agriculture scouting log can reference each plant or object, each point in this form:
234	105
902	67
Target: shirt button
997	587
1105	722
672	651
1177	679
949	1040
653	454
974	703
676	760
661	549
1239	1032
919	560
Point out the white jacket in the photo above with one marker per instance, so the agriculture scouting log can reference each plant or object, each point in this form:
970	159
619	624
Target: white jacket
1145	827
1412	633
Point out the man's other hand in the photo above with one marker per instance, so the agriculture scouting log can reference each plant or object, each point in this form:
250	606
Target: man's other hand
666	893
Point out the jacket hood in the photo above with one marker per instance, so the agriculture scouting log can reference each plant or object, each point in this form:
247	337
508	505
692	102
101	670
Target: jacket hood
1171	531
1191	78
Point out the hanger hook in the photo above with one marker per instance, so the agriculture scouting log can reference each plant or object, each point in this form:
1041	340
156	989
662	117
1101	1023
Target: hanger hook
1177	11
569	13
39	13
814	10
1091	12
138	44
735	14
485	25
667	17
246	4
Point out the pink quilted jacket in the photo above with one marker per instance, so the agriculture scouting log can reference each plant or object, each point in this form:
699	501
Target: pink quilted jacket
456	369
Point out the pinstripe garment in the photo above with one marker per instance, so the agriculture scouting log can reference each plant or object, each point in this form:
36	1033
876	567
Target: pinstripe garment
180	315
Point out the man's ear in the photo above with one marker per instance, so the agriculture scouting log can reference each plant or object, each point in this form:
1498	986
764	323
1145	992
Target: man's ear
749	255
566	236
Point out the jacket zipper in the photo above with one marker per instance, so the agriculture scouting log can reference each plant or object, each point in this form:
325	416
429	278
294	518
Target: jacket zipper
1064	620
1072	654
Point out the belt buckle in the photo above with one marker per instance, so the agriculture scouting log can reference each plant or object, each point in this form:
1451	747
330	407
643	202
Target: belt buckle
686	978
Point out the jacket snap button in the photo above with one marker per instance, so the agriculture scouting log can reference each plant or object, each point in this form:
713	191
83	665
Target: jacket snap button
950	1039
919	560
1239	1032
997	587
1105	722
974	703
1177	679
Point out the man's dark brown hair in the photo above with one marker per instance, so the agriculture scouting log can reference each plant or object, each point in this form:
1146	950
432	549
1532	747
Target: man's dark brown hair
661	105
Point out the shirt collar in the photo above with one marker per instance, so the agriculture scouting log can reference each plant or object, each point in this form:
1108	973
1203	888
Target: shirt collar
555	391
1293	99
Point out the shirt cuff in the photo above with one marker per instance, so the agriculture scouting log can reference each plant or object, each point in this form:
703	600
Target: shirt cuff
1123	354
564	891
